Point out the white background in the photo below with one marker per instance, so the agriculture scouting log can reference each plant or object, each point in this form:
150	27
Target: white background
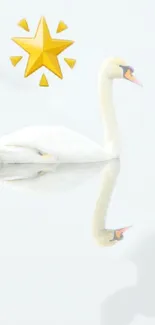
51	271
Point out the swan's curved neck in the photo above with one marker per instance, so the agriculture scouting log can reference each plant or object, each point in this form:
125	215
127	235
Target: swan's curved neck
111	133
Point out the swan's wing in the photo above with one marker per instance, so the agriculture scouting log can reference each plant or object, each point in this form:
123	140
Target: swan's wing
65	144
26	139
25	154
27	145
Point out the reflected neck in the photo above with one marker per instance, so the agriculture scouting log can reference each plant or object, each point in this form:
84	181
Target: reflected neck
108	181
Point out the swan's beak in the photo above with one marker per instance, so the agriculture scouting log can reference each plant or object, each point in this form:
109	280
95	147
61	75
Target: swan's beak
118	234
129	76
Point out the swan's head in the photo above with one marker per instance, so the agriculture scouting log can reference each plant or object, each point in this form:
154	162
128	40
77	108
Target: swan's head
108	237
116	68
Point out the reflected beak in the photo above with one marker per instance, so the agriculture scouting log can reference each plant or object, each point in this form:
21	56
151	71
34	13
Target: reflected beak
119	232
129	76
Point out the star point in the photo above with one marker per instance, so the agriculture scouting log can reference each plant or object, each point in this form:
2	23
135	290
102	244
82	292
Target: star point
23	24
61	26
15	60
43	81
71	62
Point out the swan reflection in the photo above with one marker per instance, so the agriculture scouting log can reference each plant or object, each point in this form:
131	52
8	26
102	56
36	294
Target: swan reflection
48	177
55	178
103	236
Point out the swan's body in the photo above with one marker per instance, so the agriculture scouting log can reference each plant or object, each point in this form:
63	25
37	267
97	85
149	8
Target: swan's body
60	145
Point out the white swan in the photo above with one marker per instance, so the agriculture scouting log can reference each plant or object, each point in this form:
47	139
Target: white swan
103	236
54	144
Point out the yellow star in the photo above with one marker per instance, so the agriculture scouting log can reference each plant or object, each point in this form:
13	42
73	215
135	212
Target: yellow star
43	50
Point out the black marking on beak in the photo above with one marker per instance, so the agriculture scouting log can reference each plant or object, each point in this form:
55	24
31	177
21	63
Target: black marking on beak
126	68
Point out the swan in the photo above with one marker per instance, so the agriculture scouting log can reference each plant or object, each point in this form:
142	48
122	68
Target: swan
106	237
57	144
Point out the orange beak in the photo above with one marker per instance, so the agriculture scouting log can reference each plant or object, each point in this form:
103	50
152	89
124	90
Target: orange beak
129	76
120	232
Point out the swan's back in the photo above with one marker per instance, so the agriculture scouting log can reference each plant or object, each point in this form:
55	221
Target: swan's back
63	143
